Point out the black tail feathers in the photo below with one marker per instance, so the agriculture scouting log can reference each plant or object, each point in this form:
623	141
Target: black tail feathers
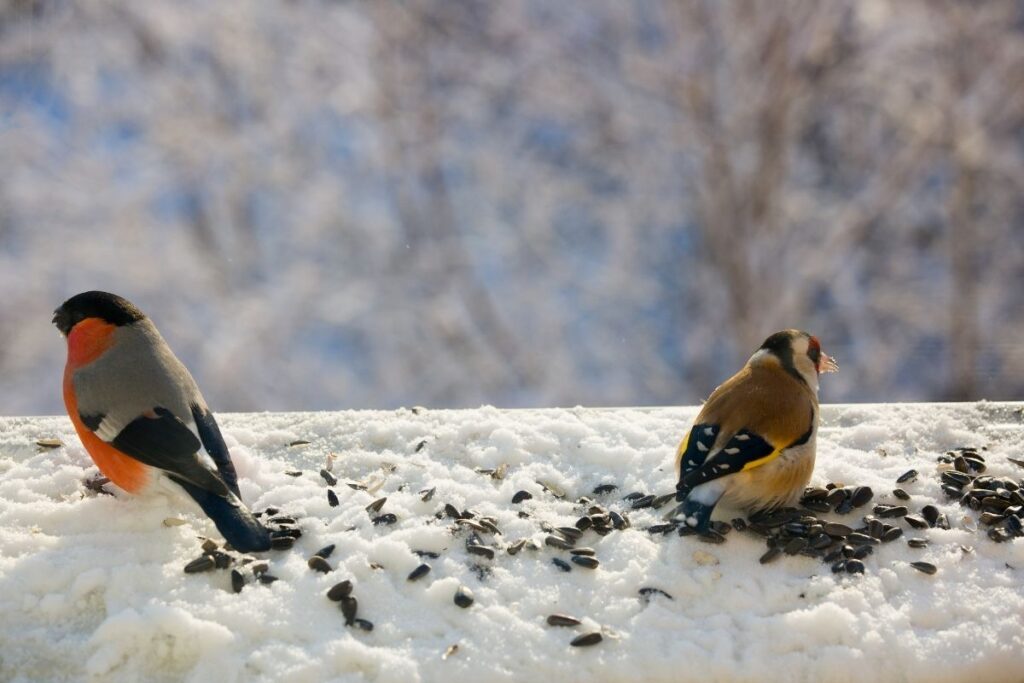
235	523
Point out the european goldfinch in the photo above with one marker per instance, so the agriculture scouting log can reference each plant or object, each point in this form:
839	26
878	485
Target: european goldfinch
752	445
141	417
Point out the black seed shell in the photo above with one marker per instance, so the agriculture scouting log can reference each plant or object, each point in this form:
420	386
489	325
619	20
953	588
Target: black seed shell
586	639
340	591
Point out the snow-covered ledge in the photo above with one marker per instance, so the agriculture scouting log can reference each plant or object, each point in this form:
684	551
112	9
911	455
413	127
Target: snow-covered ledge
92	585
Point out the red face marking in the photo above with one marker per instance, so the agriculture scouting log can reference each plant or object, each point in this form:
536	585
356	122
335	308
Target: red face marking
814	352
88	340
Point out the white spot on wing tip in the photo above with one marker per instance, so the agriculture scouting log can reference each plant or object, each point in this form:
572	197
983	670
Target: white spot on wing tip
709	431
108	429
701	447
732	451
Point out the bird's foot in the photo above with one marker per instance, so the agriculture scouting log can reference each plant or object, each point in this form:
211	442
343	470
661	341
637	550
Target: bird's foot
693	514
95	483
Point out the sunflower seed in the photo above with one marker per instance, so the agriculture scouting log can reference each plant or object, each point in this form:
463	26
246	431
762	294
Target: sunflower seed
586	639
909	475
901	494
602	489
916	522
619	521
329	478
339	591
552	489
472	524
837	530
816	505
917	542
332	498
641	503
481	550
890	511
349	608
861	496
585	561
769	556
201	564
925	567
660	501
931	514
282	542
419	572
319	564
520	496
814	493
516	547
820	541
281	519
326	551
363	624
858	538
47	444
647	592
376	505
891	534
561	564
835	555
589	552
294	473
558	542
958	479
463	597
452	649
795	545
862	551
563	620
387	518
854	567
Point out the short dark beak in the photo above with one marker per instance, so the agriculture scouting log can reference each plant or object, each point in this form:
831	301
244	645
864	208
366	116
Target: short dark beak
61	321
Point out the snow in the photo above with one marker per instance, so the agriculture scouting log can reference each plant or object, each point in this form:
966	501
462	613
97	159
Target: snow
92	587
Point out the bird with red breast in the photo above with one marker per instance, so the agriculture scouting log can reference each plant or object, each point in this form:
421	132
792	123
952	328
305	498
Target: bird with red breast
141	417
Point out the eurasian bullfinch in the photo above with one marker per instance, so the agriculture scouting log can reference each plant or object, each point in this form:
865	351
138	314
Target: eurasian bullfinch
141	417
753	443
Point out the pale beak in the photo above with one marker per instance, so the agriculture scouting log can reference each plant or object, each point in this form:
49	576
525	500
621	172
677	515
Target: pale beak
828	363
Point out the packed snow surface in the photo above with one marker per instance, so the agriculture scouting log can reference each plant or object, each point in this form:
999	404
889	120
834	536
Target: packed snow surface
92	586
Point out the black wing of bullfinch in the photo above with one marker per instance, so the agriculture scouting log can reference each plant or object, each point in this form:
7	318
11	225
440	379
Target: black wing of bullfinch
165	442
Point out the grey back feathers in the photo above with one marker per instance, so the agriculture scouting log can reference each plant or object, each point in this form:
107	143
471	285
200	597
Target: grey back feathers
138	373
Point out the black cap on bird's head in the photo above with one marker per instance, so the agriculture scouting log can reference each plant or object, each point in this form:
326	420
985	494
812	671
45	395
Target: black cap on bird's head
794	348
103	305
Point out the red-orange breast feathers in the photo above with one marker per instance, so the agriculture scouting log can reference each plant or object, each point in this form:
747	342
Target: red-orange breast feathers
88	341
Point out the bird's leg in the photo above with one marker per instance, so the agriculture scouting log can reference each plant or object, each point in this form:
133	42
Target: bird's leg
95	484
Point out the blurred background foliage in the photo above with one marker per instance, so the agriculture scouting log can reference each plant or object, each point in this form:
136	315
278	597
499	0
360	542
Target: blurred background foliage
524	203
